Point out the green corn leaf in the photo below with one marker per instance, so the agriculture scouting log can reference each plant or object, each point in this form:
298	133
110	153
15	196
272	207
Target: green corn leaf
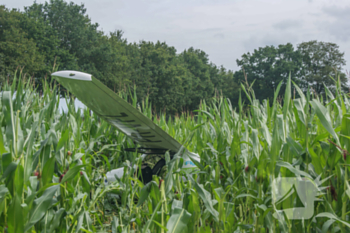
145	191
176	204
63	139
56	220
169	178
248	96
206	198
9	170
255	143
115	224
245	195
160	225
28	159
207	114
204	229
78	156
14	83
41	205
295	146
71	173
178	221
324	117
3	193
148	223
2	146
293	169
287	98
15	216
327	225
301	94
9	116
18	180
300	109
48	170
332	217
274	104
316	161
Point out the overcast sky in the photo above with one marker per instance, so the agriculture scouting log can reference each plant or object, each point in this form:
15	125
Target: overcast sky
224	29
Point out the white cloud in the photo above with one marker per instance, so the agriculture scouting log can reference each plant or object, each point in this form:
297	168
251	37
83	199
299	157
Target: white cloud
288	24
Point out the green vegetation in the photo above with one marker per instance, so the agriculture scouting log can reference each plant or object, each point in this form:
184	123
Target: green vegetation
280	115
60	33
311	64
52	165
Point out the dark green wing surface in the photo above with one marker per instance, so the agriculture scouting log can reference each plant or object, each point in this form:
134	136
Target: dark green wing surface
116	111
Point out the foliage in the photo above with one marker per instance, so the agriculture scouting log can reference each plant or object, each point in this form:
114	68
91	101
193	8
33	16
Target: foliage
52	166
311	64
267	67
321	60
16	47
70	26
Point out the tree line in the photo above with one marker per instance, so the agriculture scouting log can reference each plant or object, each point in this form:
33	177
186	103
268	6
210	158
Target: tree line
58	33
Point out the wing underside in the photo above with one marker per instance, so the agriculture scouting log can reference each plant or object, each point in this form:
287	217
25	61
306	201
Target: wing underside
116	111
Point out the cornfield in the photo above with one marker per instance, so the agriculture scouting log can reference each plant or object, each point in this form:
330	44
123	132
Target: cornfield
53	165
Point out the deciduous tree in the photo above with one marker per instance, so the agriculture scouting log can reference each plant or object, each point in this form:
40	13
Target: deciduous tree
320	60
268	66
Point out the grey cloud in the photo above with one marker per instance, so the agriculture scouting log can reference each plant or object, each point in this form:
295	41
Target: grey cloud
219	35
338	12
280	39
255	42
317	14
251	24
251	43
340	30
103	7
211	30
119	27
339	27
288	24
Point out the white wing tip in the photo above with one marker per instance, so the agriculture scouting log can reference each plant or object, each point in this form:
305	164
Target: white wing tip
71	74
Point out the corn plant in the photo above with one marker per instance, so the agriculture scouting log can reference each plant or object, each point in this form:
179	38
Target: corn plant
53	164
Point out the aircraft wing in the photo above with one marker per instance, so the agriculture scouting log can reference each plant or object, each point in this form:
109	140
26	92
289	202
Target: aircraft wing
115	110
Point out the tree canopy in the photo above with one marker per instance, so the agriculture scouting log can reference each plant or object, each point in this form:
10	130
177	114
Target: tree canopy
310	65
320	61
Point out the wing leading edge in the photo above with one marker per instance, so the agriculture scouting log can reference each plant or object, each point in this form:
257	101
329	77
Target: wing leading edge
115	110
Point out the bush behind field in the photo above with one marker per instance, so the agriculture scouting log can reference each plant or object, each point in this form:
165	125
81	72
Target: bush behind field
52	164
